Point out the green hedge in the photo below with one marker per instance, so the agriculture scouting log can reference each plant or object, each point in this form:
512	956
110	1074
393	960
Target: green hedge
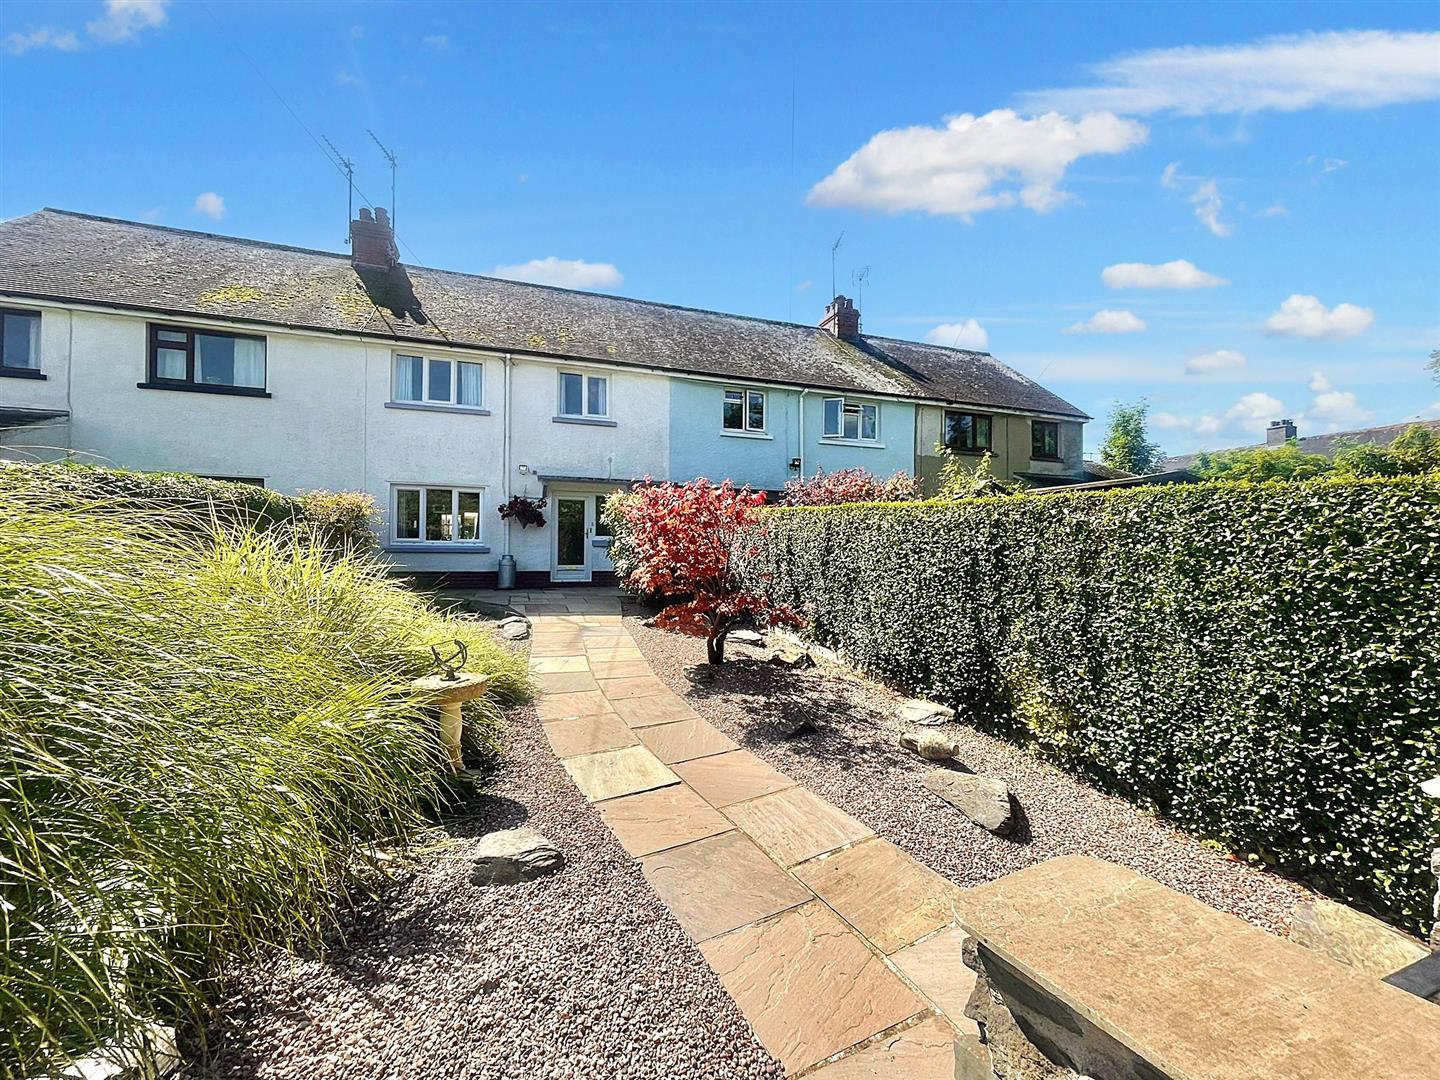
1260	664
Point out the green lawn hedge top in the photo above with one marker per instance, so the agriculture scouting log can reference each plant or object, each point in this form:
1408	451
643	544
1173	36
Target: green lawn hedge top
1260	663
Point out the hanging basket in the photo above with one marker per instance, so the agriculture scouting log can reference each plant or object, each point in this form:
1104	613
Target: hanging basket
525	511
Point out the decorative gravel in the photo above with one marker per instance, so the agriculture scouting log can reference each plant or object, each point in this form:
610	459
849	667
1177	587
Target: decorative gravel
583	974
854	760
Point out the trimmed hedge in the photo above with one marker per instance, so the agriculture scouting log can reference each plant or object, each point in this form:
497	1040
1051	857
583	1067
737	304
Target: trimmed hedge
1260	664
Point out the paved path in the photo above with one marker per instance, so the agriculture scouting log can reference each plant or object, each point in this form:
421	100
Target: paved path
834	943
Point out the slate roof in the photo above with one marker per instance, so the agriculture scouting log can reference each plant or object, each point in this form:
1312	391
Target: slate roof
1322	444
61	255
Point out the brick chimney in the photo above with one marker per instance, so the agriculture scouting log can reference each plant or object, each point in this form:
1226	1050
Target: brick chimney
841	319
372	241
1279	432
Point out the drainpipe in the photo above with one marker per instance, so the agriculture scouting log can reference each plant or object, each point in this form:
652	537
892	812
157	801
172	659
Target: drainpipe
801	454
505	575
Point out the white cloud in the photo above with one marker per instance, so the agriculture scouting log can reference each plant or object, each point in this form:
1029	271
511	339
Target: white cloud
1327	165
1276	209
1108	321
1218	360
1350	69
1207	201
124	20
46	37
1179	274
804	286
973	163
566	273
1337	408
962	335
1306	317
1168	177
437	41
1318	383
210	204
1249	416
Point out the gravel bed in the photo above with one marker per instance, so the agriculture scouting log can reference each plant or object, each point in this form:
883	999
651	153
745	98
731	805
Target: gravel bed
853	759
583	974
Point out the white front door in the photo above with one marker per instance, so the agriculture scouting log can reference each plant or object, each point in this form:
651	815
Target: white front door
571	531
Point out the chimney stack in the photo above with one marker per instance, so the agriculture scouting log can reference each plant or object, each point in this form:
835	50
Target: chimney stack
841	319
1279	432
372	242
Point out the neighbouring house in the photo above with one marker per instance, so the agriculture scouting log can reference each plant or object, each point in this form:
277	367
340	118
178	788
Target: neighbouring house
1281	432
444	394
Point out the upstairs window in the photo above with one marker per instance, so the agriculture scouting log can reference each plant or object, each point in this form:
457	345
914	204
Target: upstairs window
206	360
967	431
851	420
436	515
420	380
744	410
1045	440
585	397
19	342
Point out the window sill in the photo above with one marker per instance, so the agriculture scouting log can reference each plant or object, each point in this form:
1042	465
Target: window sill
1048	460
22	373
867	444
980	452
202	388
420	406
763	435
592	421
439	547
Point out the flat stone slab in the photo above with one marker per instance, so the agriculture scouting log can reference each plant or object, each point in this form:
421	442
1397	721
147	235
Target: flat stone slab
565	682
795	825
562	706
636	686
685	740
651	821
438	690
613	773
544	665
731	778
936	968
608	654
720	883
983	799
620	669
662	709
1354	938
923	1052
808	985
923	713
881	891
589	735
511	856
1201	994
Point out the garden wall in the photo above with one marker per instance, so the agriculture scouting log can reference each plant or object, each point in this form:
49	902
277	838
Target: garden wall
1260	664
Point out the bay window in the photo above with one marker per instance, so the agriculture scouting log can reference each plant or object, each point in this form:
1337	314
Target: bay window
853	421
420	380
440	515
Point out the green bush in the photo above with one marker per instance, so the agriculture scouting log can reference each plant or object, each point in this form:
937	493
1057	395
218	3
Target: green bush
1260	664
205	729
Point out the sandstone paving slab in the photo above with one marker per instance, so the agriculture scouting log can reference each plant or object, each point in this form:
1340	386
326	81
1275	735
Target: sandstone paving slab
725	779
612	773
555	647
667	817
566	682
564	706
589	735
935	967
619	669
883	892
544	665
639	686
720	883
661	709
795	825
605	654
809	986
925	1051
684	740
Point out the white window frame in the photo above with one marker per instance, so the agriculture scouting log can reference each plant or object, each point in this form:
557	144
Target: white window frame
746	395
456	490
586	378
425	400
846	404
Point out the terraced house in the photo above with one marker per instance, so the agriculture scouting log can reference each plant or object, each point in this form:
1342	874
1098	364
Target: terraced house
444	394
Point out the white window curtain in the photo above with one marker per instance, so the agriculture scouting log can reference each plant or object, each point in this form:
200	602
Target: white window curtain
597	404
409	376
472	385
250	362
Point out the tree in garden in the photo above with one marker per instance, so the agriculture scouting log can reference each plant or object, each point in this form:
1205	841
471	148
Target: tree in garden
961	480
684	542
850	486
1127	445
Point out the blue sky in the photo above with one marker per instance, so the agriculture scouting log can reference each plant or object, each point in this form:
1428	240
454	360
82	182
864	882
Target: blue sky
1232	211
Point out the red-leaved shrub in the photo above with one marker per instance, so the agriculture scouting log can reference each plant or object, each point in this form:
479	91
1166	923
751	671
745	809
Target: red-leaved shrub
850	486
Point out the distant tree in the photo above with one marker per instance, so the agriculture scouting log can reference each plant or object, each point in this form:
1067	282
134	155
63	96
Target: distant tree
1287	462
1415	452
1434	364
1127	446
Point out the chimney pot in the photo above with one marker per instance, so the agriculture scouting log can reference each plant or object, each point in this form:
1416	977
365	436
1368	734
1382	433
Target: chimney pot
841	319
372	243
1279	432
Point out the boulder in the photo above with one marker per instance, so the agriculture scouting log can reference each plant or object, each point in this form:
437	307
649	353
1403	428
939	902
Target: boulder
931	745
1354	938
983	799
511	856
923	713
794	659
514	629
747	637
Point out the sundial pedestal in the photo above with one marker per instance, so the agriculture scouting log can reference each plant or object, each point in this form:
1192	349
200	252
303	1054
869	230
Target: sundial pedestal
449	694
